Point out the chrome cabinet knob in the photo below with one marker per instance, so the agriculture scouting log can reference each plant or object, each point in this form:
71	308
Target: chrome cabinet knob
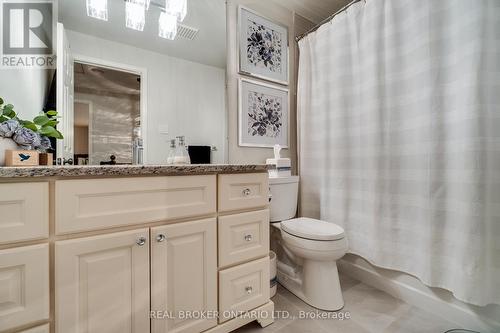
249	290
141	241
161	238
246	192
248	238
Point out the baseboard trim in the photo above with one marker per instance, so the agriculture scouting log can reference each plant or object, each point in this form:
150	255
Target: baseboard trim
462	317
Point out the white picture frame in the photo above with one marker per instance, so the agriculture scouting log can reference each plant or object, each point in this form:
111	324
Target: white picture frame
263	114
274	65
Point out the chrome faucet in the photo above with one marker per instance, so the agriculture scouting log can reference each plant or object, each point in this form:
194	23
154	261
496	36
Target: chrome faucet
137	151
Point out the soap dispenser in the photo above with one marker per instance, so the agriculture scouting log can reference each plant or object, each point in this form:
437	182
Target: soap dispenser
171	153
181	153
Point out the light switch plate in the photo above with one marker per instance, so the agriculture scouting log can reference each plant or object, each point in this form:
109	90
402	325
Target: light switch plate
163	128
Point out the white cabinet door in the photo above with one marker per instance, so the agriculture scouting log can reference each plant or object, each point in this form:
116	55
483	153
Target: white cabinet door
102	283
24	285
184	276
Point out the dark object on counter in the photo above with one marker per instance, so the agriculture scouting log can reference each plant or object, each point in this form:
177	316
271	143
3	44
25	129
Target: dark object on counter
46	159
112	161
200	154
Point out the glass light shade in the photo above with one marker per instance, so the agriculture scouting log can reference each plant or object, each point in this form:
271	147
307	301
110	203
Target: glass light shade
143	3
167	26
135	16
98	9
177	8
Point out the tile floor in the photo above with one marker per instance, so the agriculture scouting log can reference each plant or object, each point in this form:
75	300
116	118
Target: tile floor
370	310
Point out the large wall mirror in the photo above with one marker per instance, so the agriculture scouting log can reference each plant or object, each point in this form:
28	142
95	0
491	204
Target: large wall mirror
125	92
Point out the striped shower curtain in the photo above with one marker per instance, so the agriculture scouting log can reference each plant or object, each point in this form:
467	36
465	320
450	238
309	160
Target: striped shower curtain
399	106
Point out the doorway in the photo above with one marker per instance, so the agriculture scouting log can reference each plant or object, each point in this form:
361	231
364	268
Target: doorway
108	114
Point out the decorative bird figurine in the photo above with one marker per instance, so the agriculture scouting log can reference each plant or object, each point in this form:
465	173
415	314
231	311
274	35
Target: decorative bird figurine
24	157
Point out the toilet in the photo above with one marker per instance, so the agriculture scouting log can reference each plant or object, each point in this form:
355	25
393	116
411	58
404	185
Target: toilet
309	249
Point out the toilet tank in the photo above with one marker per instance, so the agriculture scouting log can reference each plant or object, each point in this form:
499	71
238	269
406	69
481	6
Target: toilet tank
284	194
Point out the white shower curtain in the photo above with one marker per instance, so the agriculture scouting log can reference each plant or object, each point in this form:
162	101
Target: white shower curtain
399	106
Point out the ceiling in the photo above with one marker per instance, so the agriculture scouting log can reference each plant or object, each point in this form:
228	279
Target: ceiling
313	10
104	82
209	16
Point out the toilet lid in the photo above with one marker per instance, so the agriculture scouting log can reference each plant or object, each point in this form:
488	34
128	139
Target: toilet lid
313	229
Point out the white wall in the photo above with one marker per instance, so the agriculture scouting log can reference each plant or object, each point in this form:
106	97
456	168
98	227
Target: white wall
296	25
26	89
186	97
281	15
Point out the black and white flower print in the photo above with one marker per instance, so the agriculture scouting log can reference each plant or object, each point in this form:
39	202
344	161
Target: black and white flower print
264	47
265	115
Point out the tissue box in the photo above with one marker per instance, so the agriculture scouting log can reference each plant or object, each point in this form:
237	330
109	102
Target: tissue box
21	157
279	167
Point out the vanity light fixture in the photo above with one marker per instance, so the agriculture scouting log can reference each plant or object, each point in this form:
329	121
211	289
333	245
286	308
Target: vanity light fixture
177	8
135	15
167	26
98	9
173	12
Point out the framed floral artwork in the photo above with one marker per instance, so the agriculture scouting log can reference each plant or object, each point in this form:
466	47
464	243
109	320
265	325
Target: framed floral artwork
263	47
263	114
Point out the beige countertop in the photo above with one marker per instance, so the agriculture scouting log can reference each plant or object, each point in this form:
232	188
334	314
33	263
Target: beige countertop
128	170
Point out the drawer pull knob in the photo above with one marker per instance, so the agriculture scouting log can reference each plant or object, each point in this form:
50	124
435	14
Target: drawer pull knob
249	290
248	238
141	241
161	238
246	192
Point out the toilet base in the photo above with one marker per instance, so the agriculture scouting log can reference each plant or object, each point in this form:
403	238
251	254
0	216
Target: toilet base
317	284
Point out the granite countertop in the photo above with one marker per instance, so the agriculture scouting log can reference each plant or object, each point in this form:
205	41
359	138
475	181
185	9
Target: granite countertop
128	170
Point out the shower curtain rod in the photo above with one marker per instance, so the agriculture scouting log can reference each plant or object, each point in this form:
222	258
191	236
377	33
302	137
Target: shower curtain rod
328	19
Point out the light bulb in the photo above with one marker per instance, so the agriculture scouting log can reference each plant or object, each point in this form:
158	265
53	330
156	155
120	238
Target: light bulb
177	8
167	26
98	9
135	16
143	3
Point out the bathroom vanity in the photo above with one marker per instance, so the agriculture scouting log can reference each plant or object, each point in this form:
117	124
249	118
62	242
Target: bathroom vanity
134	248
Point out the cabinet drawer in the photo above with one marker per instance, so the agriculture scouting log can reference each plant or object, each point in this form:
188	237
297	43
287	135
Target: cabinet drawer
243	191
83	205
243	237
24	211
243	288
24	285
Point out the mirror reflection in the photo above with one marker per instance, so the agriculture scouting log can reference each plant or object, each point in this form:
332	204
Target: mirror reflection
135	85
107	116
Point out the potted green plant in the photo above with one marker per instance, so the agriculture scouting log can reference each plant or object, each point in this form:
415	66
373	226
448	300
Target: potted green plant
16	133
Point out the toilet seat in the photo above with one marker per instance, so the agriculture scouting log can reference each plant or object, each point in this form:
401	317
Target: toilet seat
313	229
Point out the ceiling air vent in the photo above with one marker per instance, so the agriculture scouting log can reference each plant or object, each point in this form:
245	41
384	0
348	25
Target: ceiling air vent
187	32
